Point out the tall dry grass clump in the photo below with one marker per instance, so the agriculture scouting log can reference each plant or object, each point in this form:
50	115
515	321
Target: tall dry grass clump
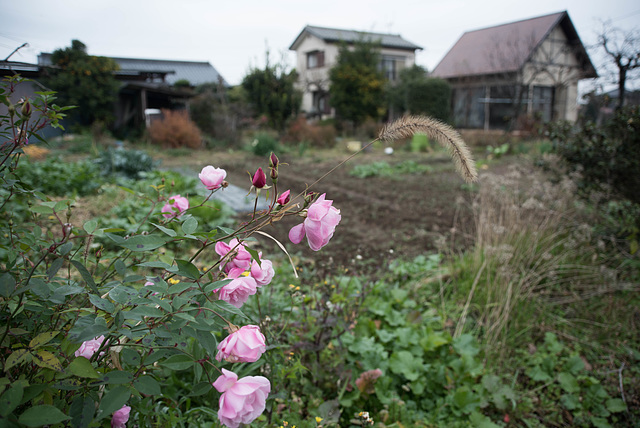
531	252
174	130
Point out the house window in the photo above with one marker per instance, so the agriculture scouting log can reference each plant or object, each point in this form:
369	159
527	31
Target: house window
315	59
321	102
390	67
542	103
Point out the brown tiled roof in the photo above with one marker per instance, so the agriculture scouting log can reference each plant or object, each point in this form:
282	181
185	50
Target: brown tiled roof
506	48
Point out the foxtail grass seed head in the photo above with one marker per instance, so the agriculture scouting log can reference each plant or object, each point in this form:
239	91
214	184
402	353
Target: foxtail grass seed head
442	133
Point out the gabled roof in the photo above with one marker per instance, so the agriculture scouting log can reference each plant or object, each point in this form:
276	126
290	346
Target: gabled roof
506	48
335	35
195	72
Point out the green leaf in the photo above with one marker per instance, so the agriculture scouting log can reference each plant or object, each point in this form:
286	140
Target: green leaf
81	412
90	226
16	358
615	405
568	382
42	339
101	303
65	248
405	363
143	242
88	278
140	312
168	231
570	401
47	360
147	385
178	362
116	377
254	255
82	367
200	389
42	415
189	225
55	267
7	285
157	264
216	285
466	400
224	306
180	287
114	400
187	269
123	294
11	398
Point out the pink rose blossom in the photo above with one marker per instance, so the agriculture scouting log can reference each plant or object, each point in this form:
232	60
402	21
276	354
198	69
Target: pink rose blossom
238	291
120	417
259	179
322	219
284	198
89	347
263	273
211	177
241	259
245	345
175	207
242	401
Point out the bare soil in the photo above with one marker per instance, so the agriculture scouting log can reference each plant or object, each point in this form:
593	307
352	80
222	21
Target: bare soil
383	218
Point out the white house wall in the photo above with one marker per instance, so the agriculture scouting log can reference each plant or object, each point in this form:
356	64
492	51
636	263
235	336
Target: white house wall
310	79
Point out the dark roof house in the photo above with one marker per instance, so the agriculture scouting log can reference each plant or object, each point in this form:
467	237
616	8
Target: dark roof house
147	84
529	67
335	35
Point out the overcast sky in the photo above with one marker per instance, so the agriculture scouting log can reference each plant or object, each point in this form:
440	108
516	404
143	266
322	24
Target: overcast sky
234	35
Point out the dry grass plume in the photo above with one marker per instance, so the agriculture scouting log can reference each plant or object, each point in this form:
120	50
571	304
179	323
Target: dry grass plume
436	130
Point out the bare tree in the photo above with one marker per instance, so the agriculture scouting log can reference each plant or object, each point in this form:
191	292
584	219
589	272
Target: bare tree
623	48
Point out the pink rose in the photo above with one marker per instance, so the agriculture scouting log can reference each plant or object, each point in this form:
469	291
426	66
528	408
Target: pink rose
89	347
175	207
120	417
238	291
242	346
211	177
263	273
242	401
284	198
240	258
322	219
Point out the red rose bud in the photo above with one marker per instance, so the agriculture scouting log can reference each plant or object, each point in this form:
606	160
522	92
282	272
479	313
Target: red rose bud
273	160
26	109
259	179
284	198
274	174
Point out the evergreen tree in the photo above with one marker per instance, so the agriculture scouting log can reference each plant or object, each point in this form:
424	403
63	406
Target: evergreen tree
84	81
271	92
357	85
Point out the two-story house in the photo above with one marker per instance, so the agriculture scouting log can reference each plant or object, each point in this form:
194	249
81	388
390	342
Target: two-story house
317	51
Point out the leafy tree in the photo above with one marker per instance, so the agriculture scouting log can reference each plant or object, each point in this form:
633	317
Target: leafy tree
85	81
357	85
271	92
416	93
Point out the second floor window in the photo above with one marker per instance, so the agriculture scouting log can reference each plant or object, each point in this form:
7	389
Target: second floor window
315	59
